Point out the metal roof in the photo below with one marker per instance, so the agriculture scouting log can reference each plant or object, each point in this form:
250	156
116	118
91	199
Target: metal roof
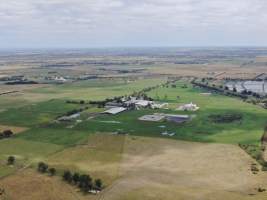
115	110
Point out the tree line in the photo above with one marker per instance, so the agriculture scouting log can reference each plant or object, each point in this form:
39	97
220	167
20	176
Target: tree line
83	181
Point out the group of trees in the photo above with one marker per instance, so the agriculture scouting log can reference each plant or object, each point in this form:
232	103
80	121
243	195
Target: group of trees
102	104
6	134
76	102
220	89
83	181
44	168
250	93
245	94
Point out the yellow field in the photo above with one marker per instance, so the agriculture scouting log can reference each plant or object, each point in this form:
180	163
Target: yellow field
146	168
100	157
29	185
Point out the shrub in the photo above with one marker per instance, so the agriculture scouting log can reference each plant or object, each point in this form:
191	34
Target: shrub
76	178
42	167
85	183
10	160
98	184
67	176
7	133
52	171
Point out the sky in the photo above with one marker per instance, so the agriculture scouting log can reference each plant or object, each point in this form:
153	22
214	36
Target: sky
132	23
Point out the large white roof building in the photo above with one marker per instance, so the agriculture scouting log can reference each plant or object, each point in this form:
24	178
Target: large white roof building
115	110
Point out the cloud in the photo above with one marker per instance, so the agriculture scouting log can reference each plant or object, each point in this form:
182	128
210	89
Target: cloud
128	21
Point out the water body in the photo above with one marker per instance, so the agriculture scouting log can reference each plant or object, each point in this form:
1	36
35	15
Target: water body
259	87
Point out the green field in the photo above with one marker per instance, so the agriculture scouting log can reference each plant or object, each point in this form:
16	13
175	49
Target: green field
201	128
96	89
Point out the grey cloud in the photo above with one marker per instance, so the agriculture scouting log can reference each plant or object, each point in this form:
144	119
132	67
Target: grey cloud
127	19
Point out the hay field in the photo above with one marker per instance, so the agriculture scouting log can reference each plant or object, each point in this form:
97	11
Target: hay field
100	156
28	184
146	168
167	169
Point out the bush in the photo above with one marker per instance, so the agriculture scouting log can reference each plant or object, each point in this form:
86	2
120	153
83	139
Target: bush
85	183
7	133
52	171
11	160
76	178
67	176
42	167
98	184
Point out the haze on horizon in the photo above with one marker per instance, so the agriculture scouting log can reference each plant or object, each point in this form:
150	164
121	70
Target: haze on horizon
116	23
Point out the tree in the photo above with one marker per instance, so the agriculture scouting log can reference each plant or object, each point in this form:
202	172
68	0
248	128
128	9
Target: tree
7	133
42	167
98	184
67	176
52	171
85	183
76	178
11	160
234	89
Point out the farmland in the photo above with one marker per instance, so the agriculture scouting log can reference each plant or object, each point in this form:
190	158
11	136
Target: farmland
135	159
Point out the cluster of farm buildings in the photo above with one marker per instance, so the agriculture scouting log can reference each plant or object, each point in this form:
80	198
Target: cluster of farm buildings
127	104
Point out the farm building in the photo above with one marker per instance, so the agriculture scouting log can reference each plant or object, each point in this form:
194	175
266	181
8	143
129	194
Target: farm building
152	118
113	104
156	117
60	79
189	107
115	110
177	118
137	102
158	105
69	118
143	103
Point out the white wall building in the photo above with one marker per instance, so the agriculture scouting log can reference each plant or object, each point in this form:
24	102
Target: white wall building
189	107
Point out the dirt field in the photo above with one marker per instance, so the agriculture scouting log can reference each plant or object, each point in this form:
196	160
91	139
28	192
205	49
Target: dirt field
150	169
164	169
